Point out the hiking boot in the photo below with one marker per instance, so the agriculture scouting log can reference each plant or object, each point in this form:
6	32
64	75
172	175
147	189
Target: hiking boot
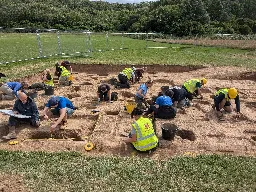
11	134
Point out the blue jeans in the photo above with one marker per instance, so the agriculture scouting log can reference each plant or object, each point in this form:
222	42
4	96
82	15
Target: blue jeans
57	112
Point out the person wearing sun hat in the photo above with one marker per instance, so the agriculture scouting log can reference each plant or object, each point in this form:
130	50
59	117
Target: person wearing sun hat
222	100
62	106
103	92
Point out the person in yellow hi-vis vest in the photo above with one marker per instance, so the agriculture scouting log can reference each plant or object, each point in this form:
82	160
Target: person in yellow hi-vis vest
125	76
222	101
193	87
47	80
64	75
142	136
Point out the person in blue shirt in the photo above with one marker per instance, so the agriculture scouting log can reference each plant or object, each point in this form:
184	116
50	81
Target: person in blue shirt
10	90
163	108
62	107
141	93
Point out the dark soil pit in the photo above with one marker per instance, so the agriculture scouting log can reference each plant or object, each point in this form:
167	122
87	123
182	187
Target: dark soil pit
86	83
90	106
93	117
95	78
112	81
112	112
151	69
205	90
253	138
186	134
76	87
250	131
204	102
3	130
251	105
248	76
6	106
221	135
73	95
127	94
241	76
60	134
240	118
103	74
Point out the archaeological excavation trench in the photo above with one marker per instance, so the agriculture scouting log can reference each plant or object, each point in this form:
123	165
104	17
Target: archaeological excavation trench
105	123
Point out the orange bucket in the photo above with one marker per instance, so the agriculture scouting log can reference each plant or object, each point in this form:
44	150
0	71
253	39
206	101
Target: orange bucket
130	106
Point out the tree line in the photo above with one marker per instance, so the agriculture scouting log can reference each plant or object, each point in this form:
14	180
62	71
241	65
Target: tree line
176	17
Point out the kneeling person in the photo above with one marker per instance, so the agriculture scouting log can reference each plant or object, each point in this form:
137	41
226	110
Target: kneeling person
103	93
142	136
24	106
178	96
163	108
222	100
62	107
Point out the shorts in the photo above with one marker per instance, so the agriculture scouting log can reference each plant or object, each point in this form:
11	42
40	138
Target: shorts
57	112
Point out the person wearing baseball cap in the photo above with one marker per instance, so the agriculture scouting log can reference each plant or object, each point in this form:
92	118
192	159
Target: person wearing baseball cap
62	106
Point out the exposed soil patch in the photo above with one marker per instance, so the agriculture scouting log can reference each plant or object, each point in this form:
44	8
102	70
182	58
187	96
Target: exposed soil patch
251	105
12	183
6	106
104	126
220	135
112	112
105	70
163	81
250	131
73	95
127	94
60	134
238	76
86	83
186	134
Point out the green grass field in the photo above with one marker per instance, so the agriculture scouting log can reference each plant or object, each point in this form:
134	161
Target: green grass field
14	47
75	172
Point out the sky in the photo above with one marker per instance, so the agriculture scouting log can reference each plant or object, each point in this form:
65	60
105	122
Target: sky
124	1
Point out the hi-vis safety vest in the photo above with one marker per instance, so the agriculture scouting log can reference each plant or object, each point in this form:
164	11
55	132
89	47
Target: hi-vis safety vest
191	85
146	137
49	82
64	71
128	72
224	91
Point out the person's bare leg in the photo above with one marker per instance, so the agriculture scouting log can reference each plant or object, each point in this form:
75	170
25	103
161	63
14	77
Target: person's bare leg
228	109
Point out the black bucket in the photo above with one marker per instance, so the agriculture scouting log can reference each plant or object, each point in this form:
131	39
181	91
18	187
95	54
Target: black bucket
32	95
168	131
49	90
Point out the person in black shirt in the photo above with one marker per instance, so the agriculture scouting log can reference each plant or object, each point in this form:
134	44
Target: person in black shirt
178	96
103	93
